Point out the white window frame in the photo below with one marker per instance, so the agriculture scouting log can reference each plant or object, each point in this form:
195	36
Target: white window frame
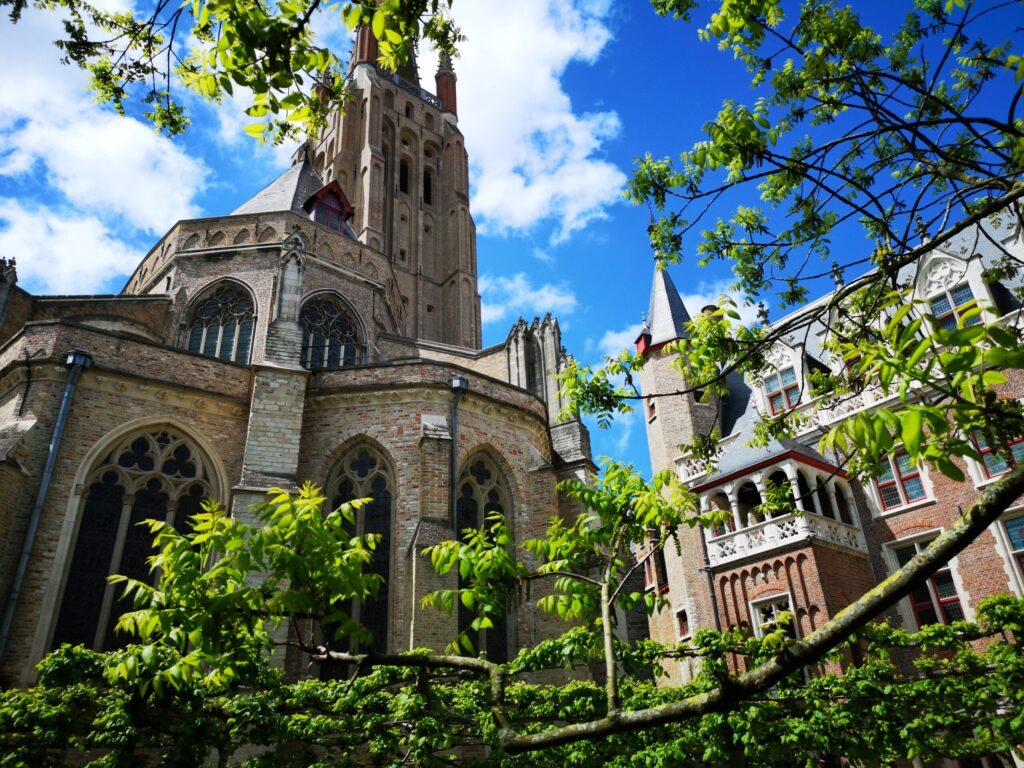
922	540
1014	570
872	492
774	598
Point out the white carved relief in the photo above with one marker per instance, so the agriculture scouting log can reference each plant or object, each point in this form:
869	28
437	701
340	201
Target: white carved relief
943	274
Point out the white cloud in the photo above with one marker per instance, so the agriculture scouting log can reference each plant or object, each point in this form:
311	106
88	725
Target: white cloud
114	166
506	297
59	252
613	342
534	157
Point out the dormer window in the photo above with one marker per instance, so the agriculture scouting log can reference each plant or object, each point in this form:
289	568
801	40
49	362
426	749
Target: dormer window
946	307
783	390
329	207
327	211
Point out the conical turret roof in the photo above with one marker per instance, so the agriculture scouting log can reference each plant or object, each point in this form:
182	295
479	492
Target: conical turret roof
666	315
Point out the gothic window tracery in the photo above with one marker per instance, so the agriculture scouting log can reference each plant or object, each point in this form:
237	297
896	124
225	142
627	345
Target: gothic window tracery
330	334
221	325
156	475
364	473
482	489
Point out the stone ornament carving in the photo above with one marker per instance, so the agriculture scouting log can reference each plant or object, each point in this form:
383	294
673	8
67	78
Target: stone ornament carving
943	274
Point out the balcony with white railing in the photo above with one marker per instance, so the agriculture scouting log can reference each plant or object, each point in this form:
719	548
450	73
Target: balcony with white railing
762	538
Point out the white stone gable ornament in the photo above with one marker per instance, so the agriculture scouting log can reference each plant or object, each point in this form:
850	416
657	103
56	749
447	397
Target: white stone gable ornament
942	274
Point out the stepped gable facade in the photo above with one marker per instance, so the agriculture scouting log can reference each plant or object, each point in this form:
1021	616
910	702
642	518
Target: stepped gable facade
328	329
848	536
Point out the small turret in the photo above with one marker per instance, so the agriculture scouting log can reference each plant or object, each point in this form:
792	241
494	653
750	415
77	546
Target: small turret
8	278
444	81
666	317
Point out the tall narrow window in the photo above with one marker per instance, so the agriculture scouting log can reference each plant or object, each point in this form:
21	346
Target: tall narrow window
534	365
221	324
157	475
428	188
330	337
482	489
782	390
363	473
403	176
948	306
936	601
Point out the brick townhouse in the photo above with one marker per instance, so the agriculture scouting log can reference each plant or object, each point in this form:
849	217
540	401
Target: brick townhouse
850	534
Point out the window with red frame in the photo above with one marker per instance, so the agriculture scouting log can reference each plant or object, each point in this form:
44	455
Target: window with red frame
898	482
946	307
782	390
684	623
995	461
936	601
1015	533
654	572
327	211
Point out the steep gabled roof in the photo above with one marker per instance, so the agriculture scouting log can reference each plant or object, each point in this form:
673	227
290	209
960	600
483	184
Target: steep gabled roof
666	315
288	192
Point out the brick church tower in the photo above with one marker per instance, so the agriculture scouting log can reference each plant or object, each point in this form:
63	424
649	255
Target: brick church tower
327	329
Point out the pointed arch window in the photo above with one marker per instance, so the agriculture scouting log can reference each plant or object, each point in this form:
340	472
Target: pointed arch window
363	473
221	325
330	334
534	366
482	489
156	475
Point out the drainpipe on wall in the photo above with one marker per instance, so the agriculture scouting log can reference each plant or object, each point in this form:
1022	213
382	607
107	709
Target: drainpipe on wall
77	361
711	582
460	385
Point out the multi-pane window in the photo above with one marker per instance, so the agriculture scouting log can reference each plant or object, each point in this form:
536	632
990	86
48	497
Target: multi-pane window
995	461
946	307
782	390
898	482
361	474
328	212
936	601
1015	533
221	324
482	489
330	336
767	615
158	475
655	573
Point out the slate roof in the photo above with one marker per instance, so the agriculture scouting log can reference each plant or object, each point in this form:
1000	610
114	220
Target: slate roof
666	315
287	192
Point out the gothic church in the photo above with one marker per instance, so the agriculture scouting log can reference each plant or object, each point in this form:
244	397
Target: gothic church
328	329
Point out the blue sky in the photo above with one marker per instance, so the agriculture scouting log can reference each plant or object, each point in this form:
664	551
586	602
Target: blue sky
555	101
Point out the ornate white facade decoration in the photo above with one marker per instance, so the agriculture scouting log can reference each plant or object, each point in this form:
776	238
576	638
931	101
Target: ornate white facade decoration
941	274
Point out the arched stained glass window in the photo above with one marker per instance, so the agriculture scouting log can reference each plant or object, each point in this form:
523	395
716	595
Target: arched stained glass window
221	325
158	475
330	334
482	489
363	473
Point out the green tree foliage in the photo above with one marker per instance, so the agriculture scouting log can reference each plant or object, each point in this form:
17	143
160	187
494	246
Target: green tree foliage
198	682
212	48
